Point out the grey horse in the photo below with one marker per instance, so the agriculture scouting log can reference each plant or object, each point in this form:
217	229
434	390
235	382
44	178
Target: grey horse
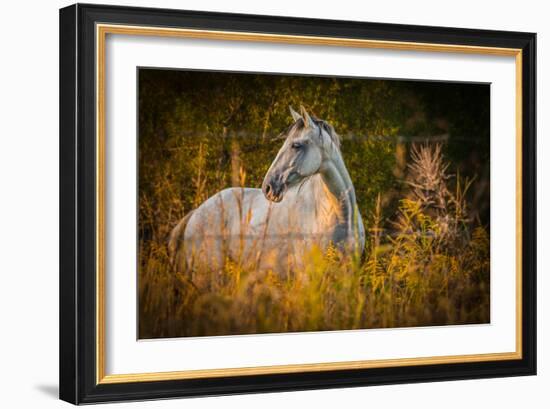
307	201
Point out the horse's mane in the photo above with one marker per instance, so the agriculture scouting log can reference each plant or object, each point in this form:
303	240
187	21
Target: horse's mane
321	123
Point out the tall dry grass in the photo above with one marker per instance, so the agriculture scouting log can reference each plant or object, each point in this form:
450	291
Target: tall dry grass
428	265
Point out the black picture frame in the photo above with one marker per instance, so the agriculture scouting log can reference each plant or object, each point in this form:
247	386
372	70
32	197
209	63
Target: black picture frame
78	314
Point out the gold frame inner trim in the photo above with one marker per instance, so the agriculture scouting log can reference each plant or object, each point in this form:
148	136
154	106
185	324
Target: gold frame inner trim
101	33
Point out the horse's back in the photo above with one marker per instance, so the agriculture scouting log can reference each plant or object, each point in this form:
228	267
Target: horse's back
219	223
225	210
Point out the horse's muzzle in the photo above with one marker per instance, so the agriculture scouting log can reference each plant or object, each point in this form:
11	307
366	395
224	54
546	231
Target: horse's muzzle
273	191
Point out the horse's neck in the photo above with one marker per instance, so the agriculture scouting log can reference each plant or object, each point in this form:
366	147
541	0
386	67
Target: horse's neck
338	188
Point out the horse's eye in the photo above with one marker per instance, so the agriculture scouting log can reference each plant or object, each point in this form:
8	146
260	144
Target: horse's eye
296	145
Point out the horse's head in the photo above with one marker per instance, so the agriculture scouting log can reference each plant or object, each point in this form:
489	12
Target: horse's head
307	145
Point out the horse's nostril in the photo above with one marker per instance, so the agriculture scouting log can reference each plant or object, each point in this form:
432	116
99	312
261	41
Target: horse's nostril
267	189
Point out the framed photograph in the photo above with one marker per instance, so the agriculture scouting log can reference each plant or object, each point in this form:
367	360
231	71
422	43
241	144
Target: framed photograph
257	203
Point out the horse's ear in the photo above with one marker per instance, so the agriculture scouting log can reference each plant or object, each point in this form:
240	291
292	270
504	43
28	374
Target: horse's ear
308	122
295	115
